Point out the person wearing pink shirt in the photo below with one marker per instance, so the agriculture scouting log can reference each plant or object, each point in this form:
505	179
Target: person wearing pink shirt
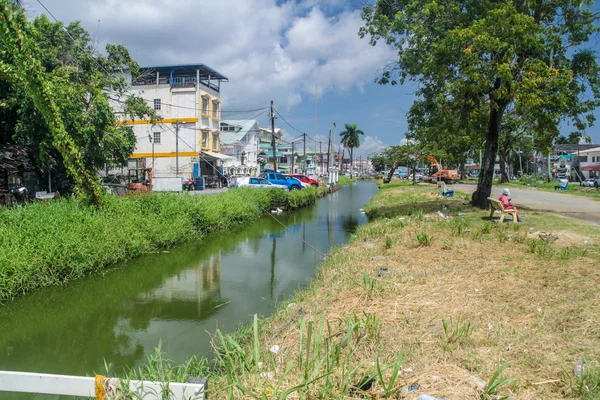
506	203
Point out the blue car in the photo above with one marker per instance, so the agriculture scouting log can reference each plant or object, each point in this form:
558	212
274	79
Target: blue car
277	178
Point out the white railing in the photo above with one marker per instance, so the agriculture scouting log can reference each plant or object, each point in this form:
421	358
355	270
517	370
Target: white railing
98	387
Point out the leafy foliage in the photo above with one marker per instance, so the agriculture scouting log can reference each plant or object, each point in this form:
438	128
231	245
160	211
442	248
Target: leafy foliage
57	97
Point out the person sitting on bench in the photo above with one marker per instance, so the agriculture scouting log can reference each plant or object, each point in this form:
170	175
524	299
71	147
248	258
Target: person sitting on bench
506	203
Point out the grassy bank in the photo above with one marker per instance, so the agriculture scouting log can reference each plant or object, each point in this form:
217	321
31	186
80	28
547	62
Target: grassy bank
50	243
574	188
450	305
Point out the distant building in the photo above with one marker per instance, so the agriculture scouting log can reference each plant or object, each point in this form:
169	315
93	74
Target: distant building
589	162
241	141
187	98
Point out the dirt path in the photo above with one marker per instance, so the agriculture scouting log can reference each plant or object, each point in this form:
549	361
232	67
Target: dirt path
562	203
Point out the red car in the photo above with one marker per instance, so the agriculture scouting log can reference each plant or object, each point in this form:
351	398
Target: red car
305	179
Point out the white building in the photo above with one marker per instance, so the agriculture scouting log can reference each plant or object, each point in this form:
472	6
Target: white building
241	141
589	162
187	98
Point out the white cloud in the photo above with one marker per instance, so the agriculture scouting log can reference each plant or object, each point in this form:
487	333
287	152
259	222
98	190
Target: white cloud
369	145
268	51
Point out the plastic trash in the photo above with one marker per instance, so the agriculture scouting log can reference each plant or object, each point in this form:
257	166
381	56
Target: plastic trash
430	397
461	214
578	369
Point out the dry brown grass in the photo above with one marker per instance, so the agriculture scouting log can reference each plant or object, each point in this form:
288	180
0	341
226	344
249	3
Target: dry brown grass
537	310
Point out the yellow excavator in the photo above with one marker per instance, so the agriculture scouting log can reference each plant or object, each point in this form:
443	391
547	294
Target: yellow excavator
438	173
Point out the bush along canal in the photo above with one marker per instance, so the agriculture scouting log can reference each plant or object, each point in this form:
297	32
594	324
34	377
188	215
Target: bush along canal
45	244
176	297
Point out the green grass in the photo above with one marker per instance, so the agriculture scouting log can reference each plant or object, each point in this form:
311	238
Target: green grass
574	188
44	244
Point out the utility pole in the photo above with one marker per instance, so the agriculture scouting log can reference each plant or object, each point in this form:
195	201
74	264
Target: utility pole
304	169
329	152
293	156
273	138
176	148
331	159
321	155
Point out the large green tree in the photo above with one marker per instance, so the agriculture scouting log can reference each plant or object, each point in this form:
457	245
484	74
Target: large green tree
351	139
57	98
524	54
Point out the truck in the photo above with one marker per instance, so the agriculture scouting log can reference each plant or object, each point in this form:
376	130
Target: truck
277	178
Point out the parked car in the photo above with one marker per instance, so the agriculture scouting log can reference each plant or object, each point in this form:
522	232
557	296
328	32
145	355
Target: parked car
278	178
305	179
258	183
589	182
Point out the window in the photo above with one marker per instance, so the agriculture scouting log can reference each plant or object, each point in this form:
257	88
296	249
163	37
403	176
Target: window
205	139
280	177
156	138
216	142
215	109
157	104
205	105
254	181
593	159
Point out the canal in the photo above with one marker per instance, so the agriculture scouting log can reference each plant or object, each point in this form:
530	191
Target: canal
176	297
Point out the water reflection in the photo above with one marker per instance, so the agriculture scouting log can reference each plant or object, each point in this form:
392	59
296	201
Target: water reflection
175	297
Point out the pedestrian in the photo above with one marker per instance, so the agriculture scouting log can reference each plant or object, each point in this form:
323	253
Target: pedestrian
506	203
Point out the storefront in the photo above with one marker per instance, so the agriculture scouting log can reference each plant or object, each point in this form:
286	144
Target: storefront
210	168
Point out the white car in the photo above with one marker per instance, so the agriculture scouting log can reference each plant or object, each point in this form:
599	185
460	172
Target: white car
591	182
588	182
259	183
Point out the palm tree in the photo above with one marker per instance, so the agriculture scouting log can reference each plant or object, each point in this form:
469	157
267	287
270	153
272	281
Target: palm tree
351	140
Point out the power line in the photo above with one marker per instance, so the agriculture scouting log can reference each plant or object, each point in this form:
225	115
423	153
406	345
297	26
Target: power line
290	125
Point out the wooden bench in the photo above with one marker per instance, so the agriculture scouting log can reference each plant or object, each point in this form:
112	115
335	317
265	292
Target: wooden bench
495	205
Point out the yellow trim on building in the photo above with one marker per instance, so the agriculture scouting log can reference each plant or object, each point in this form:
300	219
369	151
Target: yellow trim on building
164	155
207	114
160	121
212	110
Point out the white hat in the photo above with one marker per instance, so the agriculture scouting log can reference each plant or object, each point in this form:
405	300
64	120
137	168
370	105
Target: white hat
506	191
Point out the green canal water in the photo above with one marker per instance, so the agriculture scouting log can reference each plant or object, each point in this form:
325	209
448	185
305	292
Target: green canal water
176	297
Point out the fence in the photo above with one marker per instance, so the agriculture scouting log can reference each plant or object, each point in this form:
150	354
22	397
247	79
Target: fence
99	387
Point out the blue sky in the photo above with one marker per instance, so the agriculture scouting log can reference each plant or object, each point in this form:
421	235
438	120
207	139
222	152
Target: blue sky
280	50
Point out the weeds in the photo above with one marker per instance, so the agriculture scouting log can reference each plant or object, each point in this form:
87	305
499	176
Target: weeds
424	239
459	332
370	284
486	228
388	243
495	383
585	383
540	247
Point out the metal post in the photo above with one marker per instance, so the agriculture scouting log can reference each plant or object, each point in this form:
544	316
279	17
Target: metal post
329	152
305	161
331	158
293	152
176	148
321	155
273	138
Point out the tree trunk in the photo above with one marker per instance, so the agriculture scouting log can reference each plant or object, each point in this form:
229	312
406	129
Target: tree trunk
414	172
463	172
503	174
351	156
486	174
388	179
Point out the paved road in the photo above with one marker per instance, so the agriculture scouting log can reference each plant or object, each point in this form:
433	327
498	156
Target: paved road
559	202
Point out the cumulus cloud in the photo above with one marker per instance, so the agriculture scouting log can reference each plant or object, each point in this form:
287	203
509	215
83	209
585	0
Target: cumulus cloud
270	50
369	145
